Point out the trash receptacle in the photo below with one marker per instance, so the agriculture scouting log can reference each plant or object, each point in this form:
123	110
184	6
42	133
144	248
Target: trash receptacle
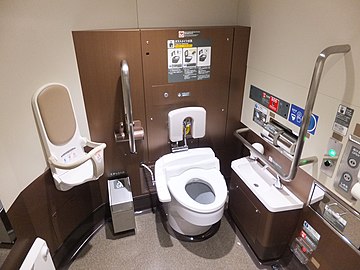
121	204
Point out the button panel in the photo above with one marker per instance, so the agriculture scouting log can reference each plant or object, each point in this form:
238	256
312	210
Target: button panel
348	170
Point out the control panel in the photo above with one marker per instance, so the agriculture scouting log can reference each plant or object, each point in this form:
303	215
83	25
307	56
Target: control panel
331	157
269	101
305	244
347	175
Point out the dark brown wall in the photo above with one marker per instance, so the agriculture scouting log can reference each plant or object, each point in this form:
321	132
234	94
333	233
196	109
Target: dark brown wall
99	54
332	253
41	210
212	94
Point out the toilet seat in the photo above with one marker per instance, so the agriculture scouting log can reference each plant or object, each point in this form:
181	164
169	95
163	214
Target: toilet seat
212	177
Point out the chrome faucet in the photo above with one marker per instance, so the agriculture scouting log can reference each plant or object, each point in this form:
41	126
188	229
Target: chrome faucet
278	183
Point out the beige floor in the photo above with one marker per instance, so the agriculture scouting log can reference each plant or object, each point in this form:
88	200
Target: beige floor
153	248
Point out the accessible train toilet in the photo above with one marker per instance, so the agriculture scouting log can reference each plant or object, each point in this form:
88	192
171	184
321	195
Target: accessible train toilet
188	181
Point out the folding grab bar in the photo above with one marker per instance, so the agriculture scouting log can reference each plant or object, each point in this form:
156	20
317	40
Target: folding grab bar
310	101
133	128
125	82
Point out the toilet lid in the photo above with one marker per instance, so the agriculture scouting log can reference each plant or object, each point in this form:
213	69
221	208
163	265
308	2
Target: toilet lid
213	178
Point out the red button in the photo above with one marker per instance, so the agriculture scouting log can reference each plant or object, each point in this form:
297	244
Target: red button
273	104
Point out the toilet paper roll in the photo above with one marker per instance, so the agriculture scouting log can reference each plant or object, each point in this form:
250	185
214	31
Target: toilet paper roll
355	191
259	147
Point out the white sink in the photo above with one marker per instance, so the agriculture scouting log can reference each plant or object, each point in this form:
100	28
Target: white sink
260	181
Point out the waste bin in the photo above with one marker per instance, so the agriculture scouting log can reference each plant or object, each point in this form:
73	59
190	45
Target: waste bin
121	203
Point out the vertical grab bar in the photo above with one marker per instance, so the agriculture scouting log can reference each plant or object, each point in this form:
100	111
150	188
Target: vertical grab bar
310	101
125	82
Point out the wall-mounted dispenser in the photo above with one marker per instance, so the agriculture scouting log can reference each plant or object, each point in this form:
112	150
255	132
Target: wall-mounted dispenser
280	136
129	130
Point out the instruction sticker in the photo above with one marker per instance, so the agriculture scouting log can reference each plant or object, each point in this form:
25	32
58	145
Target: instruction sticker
188	59
296	116
260	113
342	120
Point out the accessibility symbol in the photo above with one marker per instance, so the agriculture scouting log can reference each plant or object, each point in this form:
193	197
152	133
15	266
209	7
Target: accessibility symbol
296	116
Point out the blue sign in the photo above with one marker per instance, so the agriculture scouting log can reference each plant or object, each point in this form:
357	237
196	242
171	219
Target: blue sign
296	115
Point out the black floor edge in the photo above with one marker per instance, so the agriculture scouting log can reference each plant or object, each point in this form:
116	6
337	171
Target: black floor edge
66	254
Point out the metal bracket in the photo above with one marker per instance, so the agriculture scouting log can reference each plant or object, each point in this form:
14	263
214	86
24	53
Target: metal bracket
121	135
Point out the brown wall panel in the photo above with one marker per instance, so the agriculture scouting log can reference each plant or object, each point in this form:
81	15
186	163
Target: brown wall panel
41	210
237	81
212	94
332	252
99	54
233	146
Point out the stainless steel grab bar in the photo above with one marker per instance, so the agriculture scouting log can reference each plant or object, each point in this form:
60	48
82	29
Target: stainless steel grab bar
125	82
310	101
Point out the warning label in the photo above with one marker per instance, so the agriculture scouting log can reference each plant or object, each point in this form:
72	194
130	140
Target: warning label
188	60
343	119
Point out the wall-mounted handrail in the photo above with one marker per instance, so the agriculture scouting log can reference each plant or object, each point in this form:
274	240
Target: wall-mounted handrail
125	82
310	101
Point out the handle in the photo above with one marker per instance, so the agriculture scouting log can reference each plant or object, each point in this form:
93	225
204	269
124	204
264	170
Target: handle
310	101
125	82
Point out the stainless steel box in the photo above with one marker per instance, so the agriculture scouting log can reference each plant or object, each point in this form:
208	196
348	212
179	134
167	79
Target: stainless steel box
121	204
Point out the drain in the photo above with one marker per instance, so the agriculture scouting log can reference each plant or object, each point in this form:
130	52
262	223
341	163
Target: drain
256	185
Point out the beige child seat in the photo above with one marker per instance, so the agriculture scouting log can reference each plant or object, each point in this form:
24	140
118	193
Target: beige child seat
69	163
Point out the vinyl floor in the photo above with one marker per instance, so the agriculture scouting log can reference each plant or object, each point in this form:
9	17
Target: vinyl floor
152	247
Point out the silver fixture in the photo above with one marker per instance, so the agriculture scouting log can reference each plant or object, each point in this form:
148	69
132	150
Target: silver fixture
331	157
121	203
150	171
310	101
278	183
279	136
131	130
7	234
176	147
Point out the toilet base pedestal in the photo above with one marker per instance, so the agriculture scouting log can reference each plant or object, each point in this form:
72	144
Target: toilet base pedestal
188	232
195	238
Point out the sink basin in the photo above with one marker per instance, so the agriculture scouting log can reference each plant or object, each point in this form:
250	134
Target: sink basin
260	181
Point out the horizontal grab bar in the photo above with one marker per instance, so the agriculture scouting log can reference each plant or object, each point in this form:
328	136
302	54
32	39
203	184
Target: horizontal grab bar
263	158
310	101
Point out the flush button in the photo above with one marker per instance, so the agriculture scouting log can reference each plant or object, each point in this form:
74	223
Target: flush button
328	163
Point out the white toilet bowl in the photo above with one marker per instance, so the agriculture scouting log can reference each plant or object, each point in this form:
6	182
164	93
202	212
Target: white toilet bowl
192	189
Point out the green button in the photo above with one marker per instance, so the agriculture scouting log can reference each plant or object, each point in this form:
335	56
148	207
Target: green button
332	153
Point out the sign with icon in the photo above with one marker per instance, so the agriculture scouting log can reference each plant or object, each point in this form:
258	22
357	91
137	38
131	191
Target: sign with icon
296	115
343	118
